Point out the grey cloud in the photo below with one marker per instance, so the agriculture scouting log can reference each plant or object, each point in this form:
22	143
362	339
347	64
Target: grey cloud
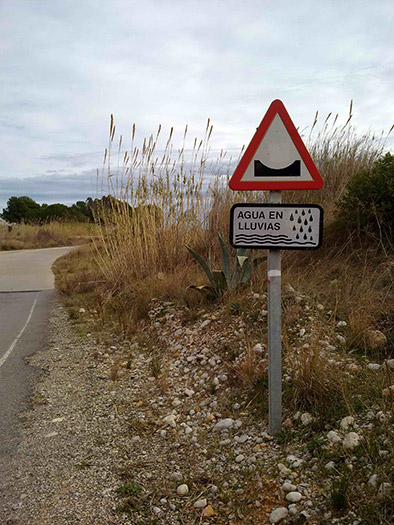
68	65
50	188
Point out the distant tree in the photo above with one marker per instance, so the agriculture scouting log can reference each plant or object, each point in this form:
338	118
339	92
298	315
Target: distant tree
82	210
56	212
21	209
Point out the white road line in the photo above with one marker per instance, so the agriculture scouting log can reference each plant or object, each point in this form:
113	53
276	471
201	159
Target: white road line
7	354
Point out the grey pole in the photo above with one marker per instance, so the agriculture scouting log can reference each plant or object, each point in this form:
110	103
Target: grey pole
274	333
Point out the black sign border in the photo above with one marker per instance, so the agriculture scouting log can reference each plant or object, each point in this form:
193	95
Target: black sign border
275	205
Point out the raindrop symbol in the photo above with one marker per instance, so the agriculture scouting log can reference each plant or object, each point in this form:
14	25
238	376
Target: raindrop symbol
310	229
305	237
301	229
310	218
297	236
292	217
296	212
309	211
299	220
303	212
311	238
294	228
305	222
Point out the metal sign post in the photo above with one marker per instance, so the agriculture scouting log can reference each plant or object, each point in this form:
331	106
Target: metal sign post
274	333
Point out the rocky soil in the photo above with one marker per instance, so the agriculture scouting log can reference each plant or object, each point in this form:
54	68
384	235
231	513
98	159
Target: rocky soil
167	429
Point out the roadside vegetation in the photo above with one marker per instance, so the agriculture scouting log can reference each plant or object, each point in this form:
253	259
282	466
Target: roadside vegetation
26	224
29	236
157	258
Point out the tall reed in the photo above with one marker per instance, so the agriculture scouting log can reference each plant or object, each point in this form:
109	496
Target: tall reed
164	198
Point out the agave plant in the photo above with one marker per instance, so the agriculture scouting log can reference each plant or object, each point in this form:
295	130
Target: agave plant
225	279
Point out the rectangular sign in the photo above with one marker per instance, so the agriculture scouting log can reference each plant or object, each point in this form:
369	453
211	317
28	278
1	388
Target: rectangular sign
276	226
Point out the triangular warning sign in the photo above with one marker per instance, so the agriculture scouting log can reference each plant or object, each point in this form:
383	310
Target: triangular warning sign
276	158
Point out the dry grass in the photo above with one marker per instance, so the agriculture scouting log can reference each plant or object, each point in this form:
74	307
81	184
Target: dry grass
356	281
338	151
182	197
318	382
27	236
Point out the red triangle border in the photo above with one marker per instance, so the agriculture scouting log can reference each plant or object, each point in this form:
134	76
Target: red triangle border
276	107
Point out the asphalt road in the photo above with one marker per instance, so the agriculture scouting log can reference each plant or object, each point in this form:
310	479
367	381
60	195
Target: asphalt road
26	293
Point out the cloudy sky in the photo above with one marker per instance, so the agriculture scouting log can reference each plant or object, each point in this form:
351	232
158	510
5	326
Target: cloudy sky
66	65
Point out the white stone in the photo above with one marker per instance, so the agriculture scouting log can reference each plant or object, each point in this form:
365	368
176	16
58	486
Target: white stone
330	465
278	515
331	348
264	313
189	392
334	437
347	422
239	458
320	307
293	510
82	310
373	366
375	339
182	490
373	481
283	469
293	497
288	487
351	440
176	476
200	504
306	418
176	402
384	490
258	348
51	434
170	420
340	324
241	439
188	430
390	362
302	332
223	424
205	323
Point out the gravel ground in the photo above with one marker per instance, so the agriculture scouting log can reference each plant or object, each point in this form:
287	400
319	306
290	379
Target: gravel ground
95	445
158	430
64	468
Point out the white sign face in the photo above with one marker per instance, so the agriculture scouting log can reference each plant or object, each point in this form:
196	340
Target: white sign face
277	158
276	226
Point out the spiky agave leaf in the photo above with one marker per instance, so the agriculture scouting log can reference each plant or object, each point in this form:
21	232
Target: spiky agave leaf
204	266
225	260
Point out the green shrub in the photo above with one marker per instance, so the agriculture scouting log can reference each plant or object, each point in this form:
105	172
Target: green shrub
367	205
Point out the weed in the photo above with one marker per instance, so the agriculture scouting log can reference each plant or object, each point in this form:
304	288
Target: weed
131	488
284	436
340	493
